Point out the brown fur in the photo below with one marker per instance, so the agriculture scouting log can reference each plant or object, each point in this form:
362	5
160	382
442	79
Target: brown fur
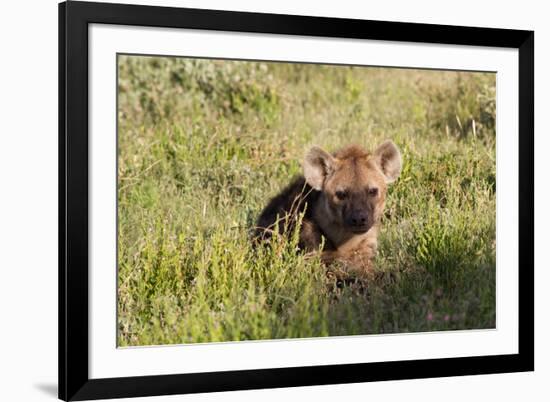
341	197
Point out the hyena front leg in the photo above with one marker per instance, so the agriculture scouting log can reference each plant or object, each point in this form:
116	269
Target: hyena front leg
357	263
310	237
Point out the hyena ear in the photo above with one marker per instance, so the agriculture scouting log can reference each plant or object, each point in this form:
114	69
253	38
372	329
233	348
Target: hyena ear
318	164
388	159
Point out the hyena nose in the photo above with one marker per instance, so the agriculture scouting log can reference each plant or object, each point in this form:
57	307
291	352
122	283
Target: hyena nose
359	218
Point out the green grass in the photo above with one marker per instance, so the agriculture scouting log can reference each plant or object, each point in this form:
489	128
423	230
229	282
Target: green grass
204	144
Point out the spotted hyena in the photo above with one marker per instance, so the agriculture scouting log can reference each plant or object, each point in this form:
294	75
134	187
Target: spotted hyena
340	198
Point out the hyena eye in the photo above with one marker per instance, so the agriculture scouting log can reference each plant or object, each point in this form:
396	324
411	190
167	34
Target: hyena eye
341	194
373	191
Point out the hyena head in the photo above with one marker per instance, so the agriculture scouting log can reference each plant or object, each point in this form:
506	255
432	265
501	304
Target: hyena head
353	183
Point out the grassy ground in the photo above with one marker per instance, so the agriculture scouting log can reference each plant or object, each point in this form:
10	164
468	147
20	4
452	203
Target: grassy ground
204	144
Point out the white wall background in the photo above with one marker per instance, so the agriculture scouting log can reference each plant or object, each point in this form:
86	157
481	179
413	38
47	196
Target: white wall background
28	199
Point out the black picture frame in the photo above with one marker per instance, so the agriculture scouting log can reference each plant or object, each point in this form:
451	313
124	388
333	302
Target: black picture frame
74	18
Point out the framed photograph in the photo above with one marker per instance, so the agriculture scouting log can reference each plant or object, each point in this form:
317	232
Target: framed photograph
257	201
